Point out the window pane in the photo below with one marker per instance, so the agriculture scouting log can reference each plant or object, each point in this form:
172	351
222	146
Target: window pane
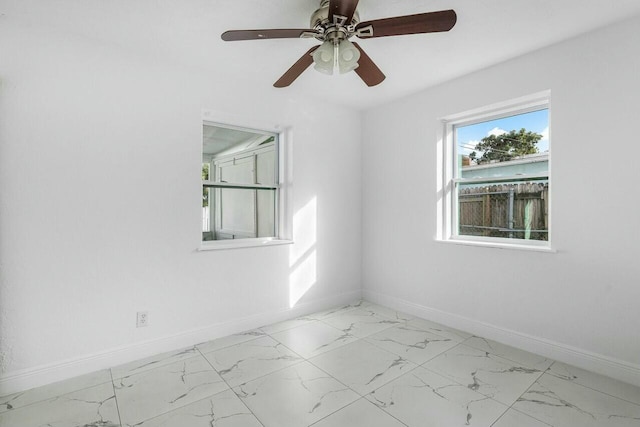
240	157
517	210
508	147
512	145
242	213
237	171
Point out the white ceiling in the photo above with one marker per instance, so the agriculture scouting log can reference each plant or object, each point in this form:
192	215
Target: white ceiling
188	32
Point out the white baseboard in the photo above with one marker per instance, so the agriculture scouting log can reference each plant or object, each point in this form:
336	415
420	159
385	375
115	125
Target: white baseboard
598	363
17	381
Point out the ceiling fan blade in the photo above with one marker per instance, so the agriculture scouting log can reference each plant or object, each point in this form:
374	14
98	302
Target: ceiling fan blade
289	33
367	69
431	22
296	69
343	8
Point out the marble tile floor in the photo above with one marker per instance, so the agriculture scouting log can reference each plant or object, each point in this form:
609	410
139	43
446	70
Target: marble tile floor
354	366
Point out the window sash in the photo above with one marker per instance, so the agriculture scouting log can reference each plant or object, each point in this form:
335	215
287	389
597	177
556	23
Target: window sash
455	210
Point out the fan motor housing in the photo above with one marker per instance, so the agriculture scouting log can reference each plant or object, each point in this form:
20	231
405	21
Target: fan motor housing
320	18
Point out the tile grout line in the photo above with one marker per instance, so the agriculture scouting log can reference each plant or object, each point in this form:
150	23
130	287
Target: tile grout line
198	354
358	393
399	323
204	398
302	359
115	397
339	311
525	414
542	373
510	407
339	382
391	351
228	346
230	388
505	357
466	385
363	398
130	372
523	393
312	320
558	376
439	332
75	390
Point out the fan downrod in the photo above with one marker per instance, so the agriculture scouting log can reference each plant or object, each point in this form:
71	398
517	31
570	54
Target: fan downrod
335	31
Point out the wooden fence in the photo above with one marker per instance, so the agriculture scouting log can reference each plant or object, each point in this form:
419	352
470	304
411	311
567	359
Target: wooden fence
518	211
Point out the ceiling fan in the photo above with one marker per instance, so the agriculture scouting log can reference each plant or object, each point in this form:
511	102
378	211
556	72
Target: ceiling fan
334	23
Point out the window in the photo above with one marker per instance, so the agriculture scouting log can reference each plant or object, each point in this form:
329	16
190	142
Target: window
496	174
241	186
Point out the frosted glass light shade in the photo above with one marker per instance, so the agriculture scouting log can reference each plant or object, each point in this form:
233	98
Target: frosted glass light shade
324	58
348	56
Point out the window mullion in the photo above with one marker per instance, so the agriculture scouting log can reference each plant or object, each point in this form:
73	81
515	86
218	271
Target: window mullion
214	184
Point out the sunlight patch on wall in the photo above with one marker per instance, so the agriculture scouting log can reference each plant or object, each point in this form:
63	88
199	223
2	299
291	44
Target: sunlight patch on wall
302	254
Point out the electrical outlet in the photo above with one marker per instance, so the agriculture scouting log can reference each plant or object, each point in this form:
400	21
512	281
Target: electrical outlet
142	319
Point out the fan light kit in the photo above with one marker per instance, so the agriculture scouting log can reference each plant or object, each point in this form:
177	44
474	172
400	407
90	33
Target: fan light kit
329	56
334	23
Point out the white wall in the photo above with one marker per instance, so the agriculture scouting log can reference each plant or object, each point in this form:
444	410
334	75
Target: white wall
100	206
580	303
100	152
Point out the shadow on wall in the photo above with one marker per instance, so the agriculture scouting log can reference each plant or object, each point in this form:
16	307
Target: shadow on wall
302	254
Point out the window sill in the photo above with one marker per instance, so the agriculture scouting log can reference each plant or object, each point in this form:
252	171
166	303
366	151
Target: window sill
241	243
499	245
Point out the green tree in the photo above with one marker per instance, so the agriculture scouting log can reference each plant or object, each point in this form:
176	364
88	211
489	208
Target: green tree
505	147
205	191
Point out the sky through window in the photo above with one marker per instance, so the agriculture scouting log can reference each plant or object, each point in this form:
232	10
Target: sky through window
536	121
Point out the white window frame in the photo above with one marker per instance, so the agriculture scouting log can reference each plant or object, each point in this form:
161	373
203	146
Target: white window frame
283	185
448	180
